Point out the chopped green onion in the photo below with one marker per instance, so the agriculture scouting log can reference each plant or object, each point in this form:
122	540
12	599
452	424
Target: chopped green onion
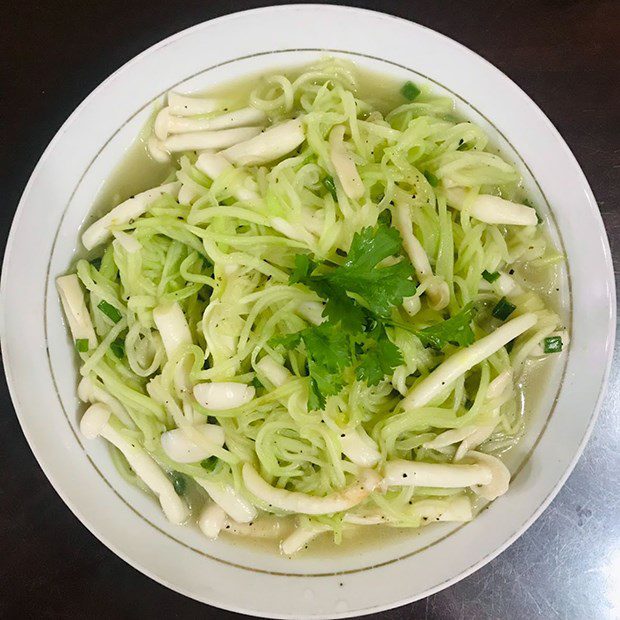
178	482
410	91
431	178
256	383
110	311
503	309
118	348
490	276
81	344
209	463
552	344
330	186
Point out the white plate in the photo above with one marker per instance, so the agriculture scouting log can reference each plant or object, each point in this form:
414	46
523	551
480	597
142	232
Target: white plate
39	357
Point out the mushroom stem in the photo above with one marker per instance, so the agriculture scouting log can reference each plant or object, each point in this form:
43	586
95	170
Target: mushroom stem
272	144
129	210
187	105
300	538
437	292
465	359
95	422
293	501
200	140
172	326
492	209
212	520
74	306
443	475
231	502
223	395
343	164
214	165
245	117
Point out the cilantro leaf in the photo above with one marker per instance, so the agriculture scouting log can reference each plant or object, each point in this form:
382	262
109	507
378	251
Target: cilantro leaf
329	352
359	296
380	287
378	360
339	307
303	269
456	330
288	341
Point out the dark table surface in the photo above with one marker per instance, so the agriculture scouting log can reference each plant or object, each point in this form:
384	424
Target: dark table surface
565	54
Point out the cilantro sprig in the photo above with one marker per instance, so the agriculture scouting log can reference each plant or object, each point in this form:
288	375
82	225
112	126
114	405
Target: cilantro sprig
359	297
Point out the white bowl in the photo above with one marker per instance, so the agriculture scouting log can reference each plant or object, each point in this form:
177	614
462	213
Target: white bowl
39	358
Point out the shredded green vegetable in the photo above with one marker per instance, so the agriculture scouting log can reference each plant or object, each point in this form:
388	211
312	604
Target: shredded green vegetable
328	285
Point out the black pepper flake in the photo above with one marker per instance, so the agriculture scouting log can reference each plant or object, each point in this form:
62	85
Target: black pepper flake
404	475
342	435
511	271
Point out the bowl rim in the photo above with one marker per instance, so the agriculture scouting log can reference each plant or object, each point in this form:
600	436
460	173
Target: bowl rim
286	8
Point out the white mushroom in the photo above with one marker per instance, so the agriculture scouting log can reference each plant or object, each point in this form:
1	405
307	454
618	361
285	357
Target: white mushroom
359	448
293	501
480	435
300	538
272	144
160	126
214	165
188	105
187	194
178	445
128	242
129	210
492	209
88	392
297	232
212	520
443	475
500	476
458	508
95	422
449	437
499	385
343	163
472	436
245	117
412	305
172	326
217	139
437	292
223	395
364	519
229	500
156	150
465	359
507	285
74	306
275	373
266	526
